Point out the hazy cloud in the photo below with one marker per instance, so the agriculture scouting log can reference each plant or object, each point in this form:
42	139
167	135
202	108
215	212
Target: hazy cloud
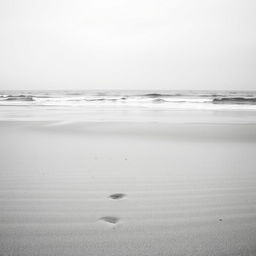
117	44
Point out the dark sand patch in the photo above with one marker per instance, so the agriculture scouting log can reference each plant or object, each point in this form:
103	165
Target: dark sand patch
110	219
117	196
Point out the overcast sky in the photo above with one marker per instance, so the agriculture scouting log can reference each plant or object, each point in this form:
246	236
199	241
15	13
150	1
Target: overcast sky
128	44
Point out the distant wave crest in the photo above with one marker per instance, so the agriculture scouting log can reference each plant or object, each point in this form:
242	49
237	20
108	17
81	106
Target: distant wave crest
159	101
159	95
19	98
234	100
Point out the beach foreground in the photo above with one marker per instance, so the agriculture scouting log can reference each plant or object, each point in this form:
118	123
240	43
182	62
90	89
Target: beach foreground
127	189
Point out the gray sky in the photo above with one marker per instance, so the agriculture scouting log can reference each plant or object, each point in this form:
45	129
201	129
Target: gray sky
128	44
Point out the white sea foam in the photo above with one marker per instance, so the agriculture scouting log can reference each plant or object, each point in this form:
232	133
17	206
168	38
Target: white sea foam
127	105
166	99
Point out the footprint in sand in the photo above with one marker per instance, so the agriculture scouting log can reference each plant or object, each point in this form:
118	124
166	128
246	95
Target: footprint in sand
110	219
117	196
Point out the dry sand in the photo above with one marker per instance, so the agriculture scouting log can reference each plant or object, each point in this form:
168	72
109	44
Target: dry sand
186	189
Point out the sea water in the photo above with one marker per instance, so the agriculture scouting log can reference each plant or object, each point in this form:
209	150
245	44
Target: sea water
129	105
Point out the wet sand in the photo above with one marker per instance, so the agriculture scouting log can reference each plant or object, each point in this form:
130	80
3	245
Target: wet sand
127	189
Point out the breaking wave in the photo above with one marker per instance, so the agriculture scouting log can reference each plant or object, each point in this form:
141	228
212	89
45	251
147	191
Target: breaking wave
154	99
19	98
234	100
159	95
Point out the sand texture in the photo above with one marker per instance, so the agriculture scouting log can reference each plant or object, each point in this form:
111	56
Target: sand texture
127	189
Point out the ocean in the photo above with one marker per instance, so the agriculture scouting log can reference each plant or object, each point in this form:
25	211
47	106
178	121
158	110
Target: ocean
128	105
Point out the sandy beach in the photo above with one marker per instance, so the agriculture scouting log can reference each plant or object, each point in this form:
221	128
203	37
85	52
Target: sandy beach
127	128
185	189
